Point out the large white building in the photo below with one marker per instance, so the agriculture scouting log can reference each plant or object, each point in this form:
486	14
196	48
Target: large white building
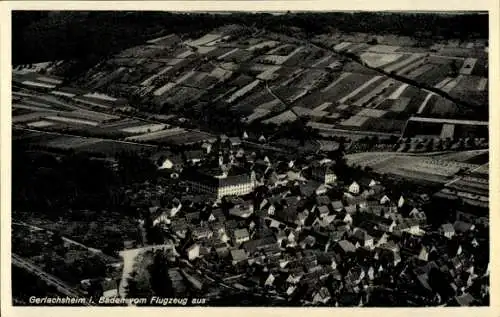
219	183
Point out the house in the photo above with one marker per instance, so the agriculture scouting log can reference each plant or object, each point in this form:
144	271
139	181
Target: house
462	226
346	247
385	200
202	233
387	224
410	225
447	230
323	211
243	210
308	242
363	238
419	215
194	156
322	200
193	252
270	280
424	254
351	209
238	256
337	206
240	236
323	173
401	201
354	188
207	147
465	299
322	296
321	189
221	249
235	141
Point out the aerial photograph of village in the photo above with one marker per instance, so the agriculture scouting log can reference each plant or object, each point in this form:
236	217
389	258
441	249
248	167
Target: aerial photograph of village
295	159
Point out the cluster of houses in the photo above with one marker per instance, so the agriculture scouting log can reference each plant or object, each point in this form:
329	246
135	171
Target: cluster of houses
303	235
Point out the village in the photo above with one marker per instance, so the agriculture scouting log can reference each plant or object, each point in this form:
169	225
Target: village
244	166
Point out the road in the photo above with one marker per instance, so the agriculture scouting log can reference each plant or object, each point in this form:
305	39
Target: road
50	279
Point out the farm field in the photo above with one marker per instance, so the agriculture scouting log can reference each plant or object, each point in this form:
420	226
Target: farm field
410	166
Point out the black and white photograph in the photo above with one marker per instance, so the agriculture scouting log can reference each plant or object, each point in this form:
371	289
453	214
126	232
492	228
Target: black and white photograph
250	159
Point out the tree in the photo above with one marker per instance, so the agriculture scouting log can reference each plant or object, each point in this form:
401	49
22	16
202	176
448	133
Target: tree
161	284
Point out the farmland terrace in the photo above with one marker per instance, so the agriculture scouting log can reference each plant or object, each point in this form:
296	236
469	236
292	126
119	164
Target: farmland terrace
232	79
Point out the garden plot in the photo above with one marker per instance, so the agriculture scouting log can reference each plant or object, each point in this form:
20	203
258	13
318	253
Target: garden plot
383	48
371	85
72	120
287	116
309	78
323	106
482	84
147	128
205	49
100	96
257	114
33	108
481	67
395	105
248	104
447	131
36	104
111	148
243	91
420	70
468	66
283	50
342	46
69	142
184	54
50	80
263	44
149	80
440	107
40	124
182	95
343	86
425	101
157	135
377	59
92	115
38	84
289	94
376	94
443	83
360	47
398	92
451	84
359	89
373	113
164	89
269	73
227	54
324	61
279	59
355	121
125	123
189	137
207	38
167	40
411	67
220	73
397	65
434	75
